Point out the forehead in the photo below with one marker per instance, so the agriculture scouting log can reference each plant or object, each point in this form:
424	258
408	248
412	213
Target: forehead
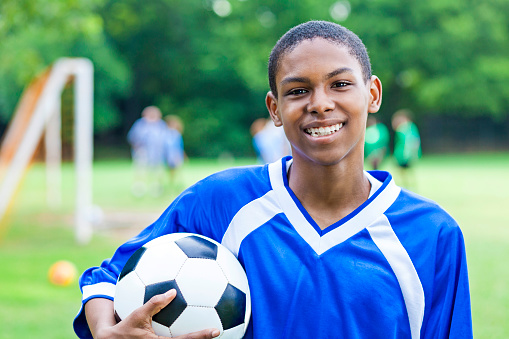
317	55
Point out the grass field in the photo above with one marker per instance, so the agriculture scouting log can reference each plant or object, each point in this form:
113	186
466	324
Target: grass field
473	188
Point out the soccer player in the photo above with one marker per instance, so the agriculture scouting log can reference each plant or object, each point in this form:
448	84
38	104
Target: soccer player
147	137
407	145
330	250
174	148
269	142
376	142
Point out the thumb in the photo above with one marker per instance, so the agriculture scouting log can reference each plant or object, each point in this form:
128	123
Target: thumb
158	302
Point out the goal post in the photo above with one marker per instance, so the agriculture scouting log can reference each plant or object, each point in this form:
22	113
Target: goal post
40	112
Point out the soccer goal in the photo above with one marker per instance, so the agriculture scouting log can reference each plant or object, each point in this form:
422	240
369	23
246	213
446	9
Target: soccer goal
39	113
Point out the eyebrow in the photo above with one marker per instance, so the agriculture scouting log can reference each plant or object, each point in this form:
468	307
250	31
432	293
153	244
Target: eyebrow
294	79
332	74
339	71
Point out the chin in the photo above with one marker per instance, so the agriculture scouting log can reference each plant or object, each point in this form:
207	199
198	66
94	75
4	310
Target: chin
323	159
329	158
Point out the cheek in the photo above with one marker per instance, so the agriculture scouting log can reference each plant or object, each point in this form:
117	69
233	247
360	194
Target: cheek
357	108
288	130
353	103
290	115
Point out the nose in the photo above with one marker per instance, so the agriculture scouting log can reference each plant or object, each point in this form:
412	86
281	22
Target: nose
320	102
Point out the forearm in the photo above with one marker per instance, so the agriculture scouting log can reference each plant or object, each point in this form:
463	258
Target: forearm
100	314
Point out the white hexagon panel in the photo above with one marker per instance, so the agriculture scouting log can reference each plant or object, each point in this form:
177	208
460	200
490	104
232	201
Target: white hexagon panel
160	263
129	294
195	318
202	282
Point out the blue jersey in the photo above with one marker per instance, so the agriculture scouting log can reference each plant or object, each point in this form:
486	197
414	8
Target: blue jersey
394	268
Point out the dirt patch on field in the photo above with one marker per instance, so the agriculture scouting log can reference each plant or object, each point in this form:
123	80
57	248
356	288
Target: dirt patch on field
124	224
119	224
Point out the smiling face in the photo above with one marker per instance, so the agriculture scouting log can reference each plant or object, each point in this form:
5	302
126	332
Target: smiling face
323	102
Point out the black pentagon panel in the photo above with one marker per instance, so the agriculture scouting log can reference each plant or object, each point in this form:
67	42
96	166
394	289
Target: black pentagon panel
170	313
231	307
197	247
130	265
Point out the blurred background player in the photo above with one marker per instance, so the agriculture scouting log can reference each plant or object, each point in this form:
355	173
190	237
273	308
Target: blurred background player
174	148
147	138
269	141
376	143
407	145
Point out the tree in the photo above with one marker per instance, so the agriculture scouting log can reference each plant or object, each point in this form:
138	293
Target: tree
34	34
439	56
206	60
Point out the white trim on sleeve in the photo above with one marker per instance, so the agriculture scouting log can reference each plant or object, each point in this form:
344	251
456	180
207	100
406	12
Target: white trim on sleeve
103	288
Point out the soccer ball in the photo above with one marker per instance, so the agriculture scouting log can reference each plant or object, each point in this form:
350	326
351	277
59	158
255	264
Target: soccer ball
212	288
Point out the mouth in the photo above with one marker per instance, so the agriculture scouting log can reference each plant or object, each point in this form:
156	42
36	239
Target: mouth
323	131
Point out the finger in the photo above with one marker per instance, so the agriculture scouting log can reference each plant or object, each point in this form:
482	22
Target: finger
204	334
158	302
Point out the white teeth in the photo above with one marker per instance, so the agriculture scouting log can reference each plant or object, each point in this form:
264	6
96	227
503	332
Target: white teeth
321	131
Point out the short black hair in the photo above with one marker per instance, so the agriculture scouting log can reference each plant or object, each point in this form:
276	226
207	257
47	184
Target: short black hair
317	29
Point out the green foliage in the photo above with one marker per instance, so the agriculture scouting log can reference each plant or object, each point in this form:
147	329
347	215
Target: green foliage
439	56
205	60
34	34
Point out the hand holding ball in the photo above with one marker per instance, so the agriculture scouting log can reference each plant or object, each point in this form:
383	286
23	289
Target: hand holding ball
211	285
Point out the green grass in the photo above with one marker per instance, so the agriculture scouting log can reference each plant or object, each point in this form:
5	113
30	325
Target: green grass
34	237
473	188
476	193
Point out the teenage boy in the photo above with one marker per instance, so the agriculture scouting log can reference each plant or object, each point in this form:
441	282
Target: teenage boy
330	251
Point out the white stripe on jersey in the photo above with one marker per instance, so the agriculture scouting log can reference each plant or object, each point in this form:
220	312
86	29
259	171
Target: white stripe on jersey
384	237
103	288
248	219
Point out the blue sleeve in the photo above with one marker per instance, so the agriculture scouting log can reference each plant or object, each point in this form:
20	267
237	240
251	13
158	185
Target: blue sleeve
185	214
204	208
450	314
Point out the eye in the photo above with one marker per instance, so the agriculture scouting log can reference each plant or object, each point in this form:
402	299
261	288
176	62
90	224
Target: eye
297	91
340	84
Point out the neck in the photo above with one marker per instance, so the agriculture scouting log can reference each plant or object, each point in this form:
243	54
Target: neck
329	193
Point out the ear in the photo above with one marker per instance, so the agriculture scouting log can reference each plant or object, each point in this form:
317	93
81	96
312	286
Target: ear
271	102
375	92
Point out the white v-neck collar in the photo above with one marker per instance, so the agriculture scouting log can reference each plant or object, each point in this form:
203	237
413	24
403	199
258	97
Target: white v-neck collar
375	184
382	195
